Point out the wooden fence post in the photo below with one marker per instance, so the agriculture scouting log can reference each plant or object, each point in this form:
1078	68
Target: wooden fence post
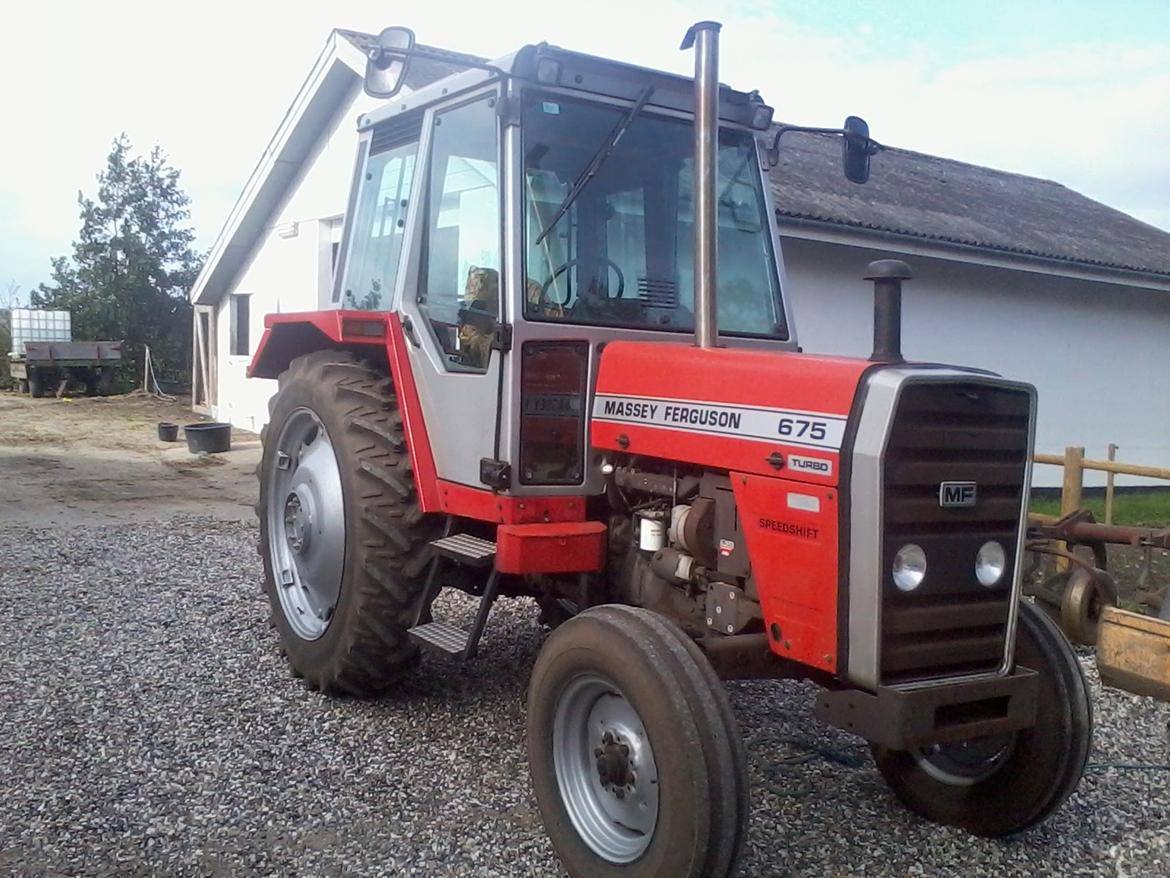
1070	491
1109	476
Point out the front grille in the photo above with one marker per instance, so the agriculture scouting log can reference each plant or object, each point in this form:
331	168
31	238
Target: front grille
951	432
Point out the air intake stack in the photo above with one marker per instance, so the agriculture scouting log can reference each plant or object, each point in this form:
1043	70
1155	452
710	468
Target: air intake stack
887	276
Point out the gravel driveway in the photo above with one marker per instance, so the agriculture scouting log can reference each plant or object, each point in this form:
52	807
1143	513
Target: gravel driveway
148	726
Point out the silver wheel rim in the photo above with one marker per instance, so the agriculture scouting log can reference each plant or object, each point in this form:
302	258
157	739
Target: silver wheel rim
966	763
306	524
605	769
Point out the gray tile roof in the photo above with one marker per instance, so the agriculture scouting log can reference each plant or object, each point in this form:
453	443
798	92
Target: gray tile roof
922	196
422	71
915	195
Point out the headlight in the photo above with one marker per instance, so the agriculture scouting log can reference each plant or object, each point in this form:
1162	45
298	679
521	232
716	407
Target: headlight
909	567
990	563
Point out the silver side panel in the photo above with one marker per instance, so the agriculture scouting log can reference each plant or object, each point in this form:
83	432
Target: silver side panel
866	514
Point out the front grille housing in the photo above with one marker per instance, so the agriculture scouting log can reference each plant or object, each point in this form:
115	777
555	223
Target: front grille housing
970	431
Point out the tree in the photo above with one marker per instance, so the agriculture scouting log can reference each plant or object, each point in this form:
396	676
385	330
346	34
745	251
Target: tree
9	299
132	263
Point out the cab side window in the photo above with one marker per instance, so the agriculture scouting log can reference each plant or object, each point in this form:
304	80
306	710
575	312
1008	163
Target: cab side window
459	277
379	226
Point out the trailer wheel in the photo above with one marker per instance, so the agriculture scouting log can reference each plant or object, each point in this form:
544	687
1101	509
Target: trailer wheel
342	537
1005	784
635	755
105	380
35	388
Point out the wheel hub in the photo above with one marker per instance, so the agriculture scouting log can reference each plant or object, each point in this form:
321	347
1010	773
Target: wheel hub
965	763
605	768
614	766
298	522
305	523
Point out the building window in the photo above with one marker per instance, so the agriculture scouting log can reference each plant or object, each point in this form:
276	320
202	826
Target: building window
240	306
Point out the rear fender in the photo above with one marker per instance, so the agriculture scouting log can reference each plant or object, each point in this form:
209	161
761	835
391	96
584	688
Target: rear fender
377	336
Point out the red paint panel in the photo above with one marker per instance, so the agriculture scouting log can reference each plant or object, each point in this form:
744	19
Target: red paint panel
483	505
325	329
566	547
764	384
792	540
414	425
722	452
379	329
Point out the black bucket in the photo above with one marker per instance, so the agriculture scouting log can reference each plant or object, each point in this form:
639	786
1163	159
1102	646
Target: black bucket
208	438
168	432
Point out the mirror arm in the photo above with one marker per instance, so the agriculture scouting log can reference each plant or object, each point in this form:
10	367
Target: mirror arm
872	147
377	54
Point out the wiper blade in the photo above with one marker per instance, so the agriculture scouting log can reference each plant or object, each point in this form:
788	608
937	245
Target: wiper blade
603	153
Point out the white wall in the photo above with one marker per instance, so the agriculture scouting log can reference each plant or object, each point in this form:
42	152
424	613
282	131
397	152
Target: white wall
1098	353
289	273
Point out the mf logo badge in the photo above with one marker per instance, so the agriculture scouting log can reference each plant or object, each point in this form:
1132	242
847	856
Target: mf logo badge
956	494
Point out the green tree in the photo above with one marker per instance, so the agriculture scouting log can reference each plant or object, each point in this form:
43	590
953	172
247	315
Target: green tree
132	263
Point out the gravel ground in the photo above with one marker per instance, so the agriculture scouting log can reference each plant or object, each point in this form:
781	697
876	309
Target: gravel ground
148	726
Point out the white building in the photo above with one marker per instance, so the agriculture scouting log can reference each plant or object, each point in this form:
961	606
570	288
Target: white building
1014	274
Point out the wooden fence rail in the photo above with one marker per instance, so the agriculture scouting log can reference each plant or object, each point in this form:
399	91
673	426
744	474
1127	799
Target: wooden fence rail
1072	487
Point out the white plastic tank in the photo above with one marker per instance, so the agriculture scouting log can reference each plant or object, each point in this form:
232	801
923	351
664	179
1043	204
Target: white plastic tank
32	324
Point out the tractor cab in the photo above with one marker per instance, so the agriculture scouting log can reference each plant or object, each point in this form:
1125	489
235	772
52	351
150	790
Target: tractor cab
520	216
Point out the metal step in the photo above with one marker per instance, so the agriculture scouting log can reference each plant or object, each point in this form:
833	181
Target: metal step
440	636
466	549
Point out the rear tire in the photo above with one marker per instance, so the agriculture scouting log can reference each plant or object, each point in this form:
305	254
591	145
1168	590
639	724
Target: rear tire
1004	785
344	583
632	674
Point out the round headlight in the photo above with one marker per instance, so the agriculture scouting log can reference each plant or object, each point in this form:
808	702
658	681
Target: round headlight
990	563
909	567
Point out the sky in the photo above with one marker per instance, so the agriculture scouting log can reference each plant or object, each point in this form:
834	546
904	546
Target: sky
1072	91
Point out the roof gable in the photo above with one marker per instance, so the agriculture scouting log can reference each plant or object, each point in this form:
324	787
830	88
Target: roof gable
329	88
924	196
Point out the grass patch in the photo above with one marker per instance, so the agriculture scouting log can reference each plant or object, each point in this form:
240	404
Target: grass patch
1137	509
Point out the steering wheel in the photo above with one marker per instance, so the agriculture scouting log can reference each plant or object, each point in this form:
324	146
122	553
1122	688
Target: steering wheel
617	269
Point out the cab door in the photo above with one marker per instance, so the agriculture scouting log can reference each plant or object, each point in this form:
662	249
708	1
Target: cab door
452	293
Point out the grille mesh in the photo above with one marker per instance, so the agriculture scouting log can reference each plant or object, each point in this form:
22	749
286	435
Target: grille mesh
966	432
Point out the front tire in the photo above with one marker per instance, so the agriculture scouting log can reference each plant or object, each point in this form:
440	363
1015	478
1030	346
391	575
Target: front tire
635	756
342	537
1006	784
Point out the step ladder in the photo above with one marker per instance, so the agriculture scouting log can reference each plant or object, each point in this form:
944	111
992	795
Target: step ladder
443	637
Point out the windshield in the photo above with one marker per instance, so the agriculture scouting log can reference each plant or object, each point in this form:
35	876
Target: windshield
622	254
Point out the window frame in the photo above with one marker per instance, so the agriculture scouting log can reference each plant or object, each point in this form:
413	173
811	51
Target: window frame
768	225
420	250
235	324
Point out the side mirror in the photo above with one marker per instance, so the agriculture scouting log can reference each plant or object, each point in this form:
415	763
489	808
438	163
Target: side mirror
387	61
856	149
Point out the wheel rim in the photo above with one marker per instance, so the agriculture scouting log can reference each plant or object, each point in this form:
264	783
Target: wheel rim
306	524
966	763
605	769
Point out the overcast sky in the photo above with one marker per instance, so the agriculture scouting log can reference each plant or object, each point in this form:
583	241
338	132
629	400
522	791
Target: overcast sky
1069	90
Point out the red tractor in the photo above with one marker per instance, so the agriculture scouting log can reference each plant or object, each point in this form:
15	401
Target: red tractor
560	366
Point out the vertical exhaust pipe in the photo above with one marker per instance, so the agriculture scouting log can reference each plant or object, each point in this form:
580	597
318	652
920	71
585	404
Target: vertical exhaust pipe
704	37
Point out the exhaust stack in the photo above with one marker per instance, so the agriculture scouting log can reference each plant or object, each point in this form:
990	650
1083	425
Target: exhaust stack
704	37
887	276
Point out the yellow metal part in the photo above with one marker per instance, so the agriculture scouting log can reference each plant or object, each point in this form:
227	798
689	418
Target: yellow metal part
1133	653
